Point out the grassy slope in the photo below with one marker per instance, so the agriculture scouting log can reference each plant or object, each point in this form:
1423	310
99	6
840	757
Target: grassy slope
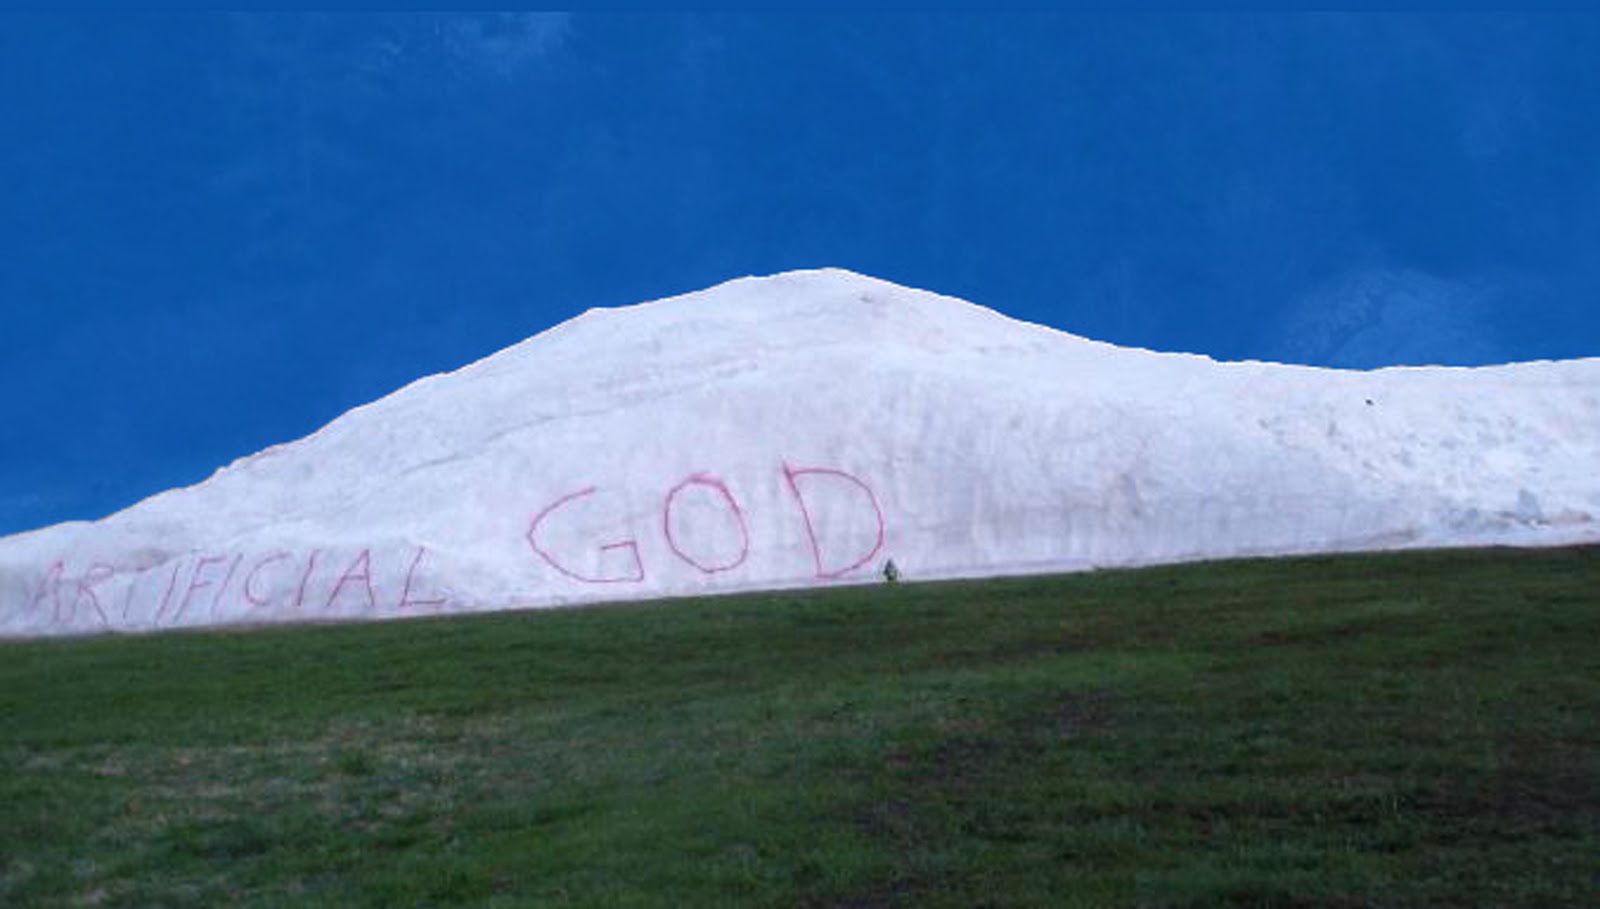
1397	730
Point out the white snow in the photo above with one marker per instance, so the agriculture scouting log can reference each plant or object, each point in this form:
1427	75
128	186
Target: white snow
802	429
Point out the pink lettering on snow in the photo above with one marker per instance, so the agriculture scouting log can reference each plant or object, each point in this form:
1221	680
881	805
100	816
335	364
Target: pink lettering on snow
98	573
364	563
65	598
50	586
709	551
629	544
830	560
216	601
311	565
250	579
719	487
411	575
195	582
166	598
133	586
791	476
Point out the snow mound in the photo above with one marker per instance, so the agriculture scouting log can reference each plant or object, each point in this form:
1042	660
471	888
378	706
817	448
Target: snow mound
803	429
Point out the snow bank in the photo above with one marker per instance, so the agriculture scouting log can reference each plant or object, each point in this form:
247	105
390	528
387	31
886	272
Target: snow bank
801	430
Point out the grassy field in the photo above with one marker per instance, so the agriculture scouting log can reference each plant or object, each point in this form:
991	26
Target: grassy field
1397	730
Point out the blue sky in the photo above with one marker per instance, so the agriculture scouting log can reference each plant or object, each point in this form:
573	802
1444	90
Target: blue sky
220	232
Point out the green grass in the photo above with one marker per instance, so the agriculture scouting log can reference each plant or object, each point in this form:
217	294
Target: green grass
1398	730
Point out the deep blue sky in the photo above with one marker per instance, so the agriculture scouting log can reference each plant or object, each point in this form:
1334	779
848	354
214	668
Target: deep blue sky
220	232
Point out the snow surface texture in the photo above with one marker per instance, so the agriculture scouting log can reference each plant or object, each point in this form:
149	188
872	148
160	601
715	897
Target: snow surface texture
803	429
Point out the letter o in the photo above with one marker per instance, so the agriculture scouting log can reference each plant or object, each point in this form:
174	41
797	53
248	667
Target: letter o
721	488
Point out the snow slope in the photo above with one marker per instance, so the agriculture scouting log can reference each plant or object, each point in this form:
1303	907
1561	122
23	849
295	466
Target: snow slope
802	429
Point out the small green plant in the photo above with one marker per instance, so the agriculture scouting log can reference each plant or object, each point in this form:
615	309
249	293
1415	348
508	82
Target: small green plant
891	572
